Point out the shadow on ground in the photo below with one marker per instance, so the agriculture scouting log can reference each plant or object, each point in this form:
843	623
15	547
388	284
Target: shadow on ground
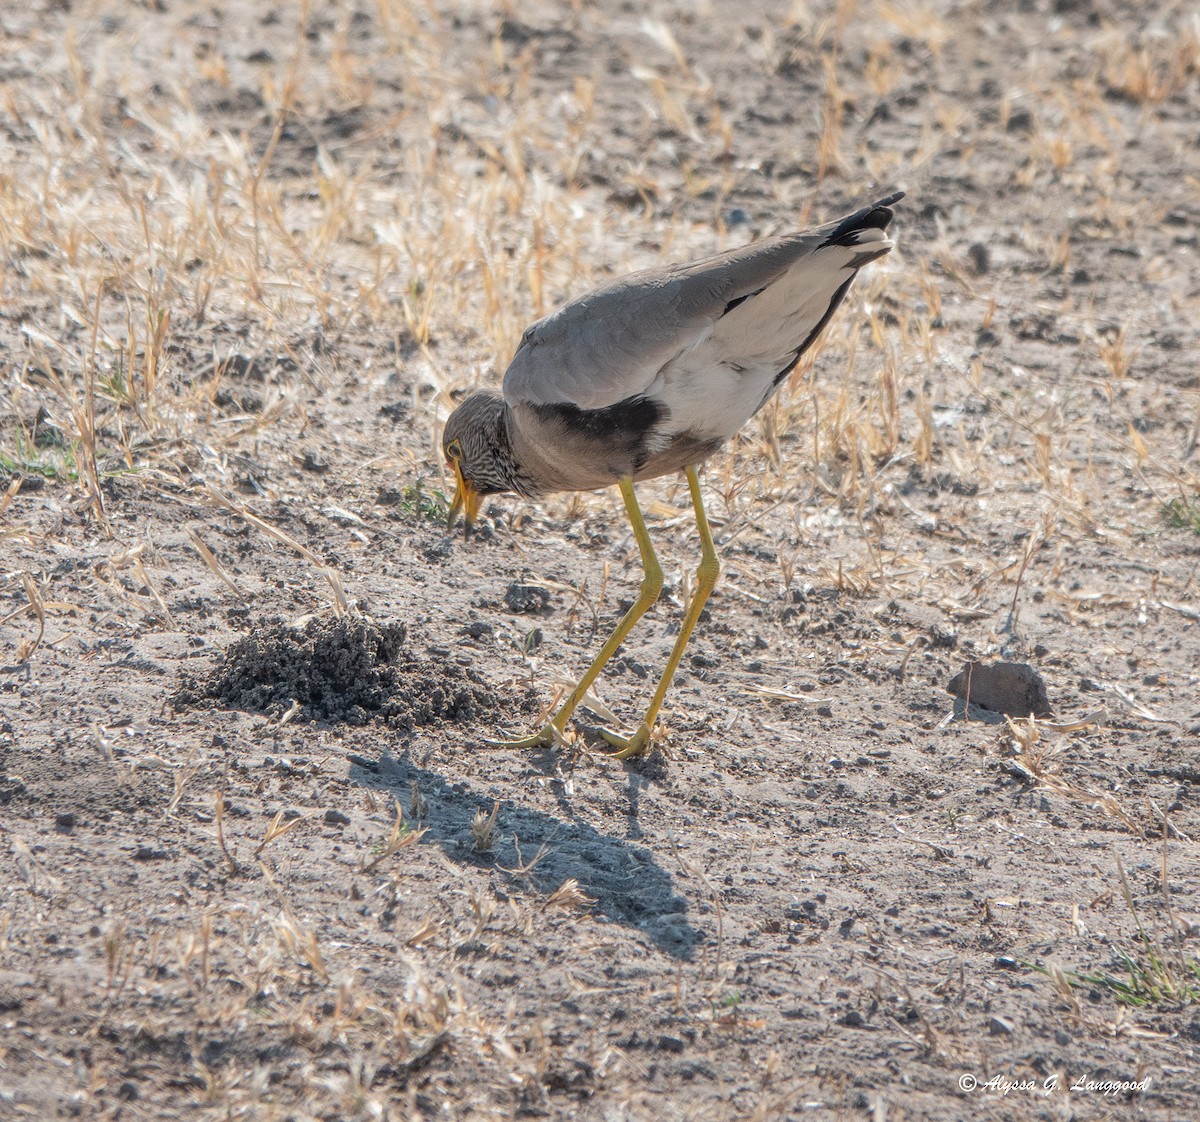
626	882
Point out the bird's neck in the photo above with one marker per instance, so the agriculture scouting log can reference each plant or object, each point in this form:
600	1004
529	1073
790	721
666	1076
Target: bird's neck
526	464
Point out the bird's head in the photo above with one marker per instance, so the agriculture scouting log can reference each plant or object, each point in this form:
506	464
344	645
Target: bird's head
475	444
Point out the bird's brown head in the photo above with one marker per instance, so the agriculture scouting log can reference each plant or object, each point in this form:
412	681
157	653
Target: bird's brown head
476	446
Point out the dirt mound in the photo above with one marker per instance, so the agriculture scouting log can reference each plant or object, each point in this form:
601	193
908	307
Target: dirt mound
350	670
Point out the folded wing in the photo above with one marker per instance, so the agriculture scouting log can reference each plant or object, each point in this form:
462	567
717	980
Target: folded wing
753	308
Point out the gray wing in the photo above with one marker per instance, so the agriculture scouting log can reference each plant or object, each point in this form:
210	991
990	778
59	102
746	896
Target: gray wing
616	342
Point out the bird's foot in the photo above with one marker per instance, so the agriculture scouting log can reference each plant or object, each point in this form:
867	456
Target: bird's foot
627	746
547	736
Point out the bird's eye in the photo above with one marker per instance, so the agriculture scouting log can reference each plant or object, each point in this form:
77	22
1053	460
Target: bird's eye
454	451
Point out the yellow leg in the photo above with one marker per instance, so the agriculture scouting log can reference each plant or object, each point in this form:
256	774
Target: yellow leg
652	582
706	578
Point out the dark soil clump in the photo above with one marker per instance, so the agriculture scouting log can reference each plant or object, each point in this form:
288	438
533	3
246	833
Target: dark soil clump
349	670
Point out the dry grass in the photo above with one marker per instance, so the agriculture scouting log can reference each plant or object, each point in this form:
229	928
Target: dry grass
138	245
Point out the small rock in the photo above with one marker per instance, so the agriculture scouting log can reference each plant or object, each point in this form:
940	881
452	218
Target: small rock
526	598
980	258
441	549
1013	688
998	1026
65	822
336	818
1020	121
313	462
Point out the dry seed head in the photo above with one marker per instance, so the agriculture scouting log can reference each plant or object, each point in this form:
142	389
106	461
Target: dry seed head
1115	354
483	828
418	804
569	896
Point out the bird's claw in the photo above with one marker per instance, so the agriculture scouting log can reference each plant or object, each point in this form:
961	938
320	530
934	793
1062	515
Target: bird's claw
627	746
550	735
547	736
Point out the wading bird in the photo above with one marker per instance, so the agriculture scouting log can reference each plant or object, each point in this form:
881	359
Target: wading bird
648	375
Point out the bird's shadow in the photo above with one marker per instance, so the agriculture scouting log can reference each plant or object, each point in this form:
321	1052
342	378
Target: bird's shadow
624	879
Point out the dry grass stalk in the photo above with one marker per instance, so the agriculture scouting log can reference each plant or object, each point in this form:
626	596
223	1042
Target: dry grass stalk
219	817
276	829
27	647
483	828
568	896
402	836
218	570
341	603
1039	763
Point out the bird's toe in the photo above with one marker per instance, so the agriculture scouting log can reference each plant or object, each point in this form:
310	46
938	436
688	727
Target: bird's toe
627	746
547	736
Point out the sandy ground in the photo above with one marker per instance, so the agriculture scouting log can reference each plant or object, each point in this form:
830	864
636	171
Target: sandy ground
257	858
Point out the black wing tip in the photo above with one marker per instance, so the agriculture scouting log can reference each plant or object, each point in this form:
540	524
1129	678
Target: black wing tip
883	210
878	216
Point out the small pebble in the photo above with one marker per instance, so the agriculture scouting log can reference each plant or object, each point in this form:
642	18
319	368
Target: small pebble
526	598
981	259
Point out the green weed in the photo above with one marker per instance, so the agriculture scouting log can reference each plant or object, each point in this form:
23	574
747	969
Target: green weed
1152	974
1183	514
55	462
428	506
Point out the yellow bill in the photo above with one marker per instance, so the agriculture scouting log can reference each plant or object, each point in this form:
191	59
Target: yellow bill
466	501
